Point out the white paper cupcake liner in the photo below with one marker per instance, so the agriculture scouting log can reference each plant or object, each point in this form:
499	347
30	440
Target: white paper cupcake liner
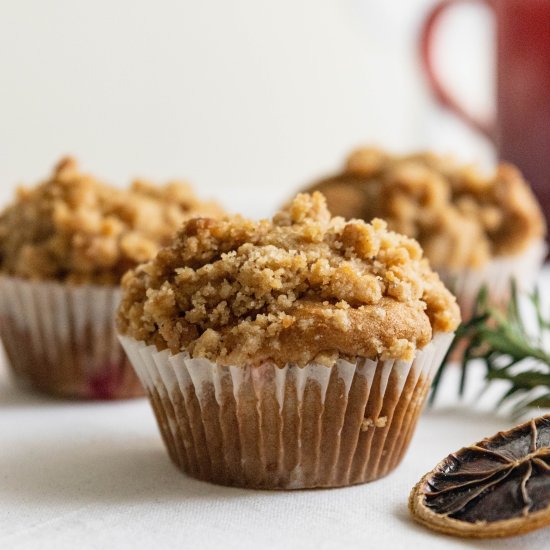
61	339
286	428
524	268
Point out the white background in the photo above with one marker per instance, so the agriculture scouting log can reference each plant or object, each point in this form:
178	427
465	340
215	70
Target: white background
247	99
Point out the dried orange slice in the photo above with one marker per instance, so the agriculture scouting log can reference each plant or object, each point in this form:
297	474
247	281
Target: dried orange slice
499	487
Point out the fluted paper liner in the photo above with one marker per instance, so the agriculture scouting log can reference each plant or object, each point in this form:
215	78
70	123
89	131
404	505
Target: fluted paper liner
524	268
60	339
286	428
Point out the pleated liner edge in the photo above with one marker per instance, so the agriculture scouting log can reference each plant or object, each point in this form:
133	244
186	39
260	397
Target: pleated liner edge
60	339
286	428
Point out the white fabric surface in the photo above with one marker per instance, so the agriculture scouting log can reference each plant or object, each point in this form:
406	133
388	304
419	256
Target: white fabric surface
96	475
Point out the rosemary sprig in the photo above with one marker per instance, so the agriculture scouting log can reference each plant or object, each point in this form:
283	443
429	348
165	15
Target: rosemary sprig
501	341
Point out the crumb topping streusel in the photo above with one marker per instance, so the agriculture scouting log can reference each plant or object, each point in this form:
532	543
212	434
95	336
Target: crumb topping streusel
460	217
300	287
76	229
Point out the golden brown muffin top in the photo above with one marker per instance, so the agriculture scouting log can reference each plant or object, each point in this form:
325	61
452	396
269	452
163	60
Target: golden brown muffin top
76	229
460	217
300	287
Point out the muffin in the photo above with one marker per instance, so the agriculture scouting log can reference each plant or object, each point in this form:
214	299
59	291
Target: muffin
64	246
287	353
474	228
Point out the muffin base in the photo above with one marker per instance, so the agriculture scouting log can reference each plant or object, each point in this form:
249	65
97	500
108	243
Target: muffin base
60	340
286	428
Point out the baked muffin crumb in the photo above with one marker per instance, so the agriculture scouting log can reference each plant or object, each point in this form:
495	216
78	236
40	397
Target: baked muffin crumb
76	229
300	287
461	217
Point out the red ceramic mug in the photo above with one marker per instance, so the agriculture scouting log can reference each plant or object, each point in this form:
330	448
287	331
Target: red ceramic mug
521	131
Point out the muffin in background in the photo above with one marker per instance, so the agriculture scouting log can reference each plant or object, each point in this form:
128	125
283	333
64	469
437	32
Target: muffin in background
287	353
64	246
474	228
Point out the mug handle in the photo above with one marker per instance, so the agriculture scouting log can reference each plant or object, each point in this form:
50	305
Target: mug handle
438	88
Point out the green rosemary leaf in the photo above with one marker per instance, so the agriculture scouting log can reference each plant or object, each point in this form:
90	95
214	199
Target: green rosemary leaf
542	323
514	318
523	380
543	402
530	403
500	341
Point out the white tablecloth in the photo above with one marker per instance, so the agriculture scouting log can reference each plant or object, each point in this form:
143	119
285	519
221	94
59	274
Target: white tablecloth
96	475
